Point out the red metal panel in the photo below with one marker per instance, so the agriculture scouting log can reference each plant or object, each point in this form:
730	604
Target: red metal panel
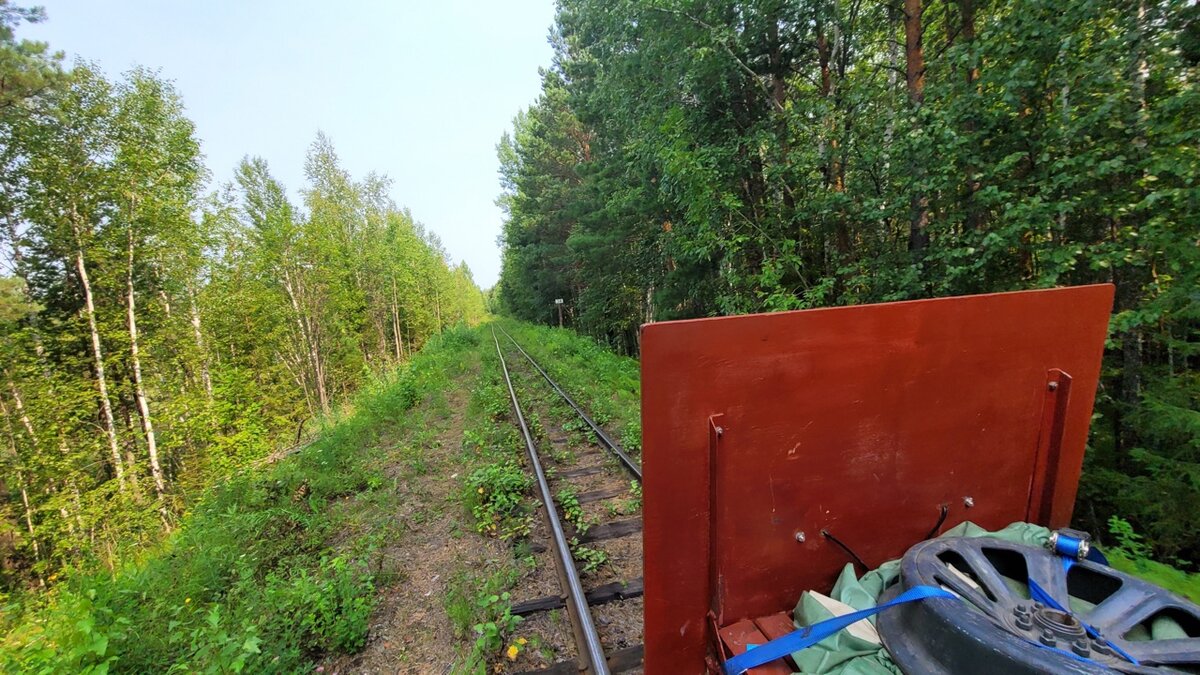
860	420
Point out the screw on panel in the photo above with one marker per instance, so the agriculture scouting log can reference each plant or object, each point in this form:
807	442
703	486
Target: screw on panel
800	537
1052	386
720	431
968	502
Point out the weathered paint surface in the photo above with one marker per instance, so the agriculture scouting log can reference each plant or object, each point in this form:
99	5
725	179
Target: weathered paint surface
863	421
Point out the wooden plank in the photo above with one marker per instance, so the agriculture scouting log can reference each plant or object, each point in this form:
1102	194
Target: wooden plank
626	659
618	662
617	590
600	495
561	668
617	528
736	636
581	471
610	592
775	625
543	604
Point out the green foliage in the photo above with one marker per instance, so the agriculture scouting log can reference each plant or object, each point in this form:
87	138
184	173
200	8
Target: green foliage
572	511
694	159
1129	542
591	558
478	607
155	340
269	570
496	496
1131	553
605	384
635	496
501	621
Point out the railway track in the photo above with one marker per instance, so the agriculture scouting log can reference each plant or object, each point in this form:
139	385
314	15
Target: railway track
605	618
631	465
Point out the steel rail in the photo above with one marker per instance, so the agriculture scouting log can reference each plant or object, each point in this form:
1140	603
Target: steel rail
590	648
629	463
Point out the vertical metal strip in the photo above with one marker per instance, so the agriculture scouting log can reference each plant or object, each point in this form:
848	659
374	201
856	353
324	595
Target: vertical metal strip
1047	460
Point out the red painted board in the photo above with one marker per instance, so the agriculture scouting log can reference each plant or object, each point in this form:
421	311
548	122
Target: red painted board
775	625
859	420
742	633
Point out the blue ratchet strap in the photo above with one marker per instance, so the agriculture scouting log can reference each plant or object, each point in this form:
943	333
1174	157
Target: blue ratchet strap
811	635
1068	548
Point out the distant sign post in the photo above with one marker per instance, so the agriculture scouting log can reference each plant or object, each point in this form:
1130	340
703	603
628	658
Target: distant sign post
559	303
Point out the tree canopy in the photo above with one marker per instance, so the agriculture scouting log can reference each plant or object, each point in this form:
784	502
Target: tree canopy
156	336
693	158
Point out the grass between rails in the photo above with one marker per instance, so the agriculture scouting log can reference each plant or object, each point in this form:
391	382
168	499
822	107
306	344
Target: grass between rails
272	569
497	486
607	386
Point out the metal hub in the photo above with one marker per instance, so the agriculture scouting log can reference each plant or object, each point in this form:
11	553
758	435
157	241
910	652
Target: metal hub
997	628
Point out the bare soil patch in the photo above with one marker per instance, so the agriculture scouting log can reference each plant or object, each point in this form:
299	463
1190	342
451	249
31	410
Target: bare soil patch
410	629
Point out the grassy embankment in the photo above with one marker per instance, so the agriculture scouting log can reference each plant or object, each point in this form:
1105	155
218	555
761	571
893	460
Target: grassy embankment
273	569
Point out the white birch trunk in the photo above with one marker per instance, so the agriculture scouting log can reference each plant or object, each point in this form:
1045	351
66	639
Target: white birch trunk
205	375
143	404
110	427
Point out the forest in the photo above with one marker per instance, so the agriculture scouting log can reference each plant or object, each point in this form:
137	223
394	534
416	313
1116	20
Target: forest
159	333
692	158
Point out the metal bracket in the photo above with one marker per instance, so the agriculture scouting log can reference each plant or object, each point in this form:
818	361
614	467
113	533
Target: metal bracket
1049	450
716	430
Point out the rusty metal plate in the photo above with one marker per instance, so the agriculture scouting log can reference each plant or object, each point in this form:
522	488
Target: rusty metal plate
863	421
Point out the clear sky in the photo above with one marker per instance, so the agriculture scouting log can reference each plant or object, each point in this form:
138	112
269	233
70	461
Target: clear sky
420	91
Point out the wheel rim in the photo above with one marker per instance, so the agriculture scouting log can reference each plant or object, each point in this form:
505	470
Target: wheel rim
997	627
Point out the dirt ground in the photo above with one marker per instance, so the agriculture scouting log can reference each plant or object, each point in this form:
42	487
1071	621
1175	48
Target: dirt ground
410	631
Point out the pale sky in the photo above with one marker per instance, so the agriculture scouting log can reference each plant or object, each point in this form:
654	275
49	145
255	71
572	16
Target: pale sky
420	91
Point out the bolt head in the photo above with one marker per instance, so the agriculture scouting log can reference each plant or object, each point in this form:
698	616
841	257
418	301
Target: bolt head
968	502
800	537
1053	386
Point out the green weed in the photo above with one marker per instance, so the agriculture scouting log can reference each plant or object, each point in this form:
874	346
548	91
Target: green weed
496	496
572	510
592	558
